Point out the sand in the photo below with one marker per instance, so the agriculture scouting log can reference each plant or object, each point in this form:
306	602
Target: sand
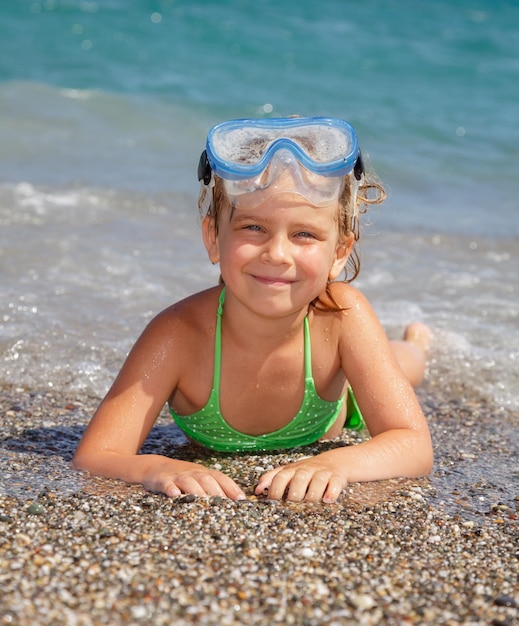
80	550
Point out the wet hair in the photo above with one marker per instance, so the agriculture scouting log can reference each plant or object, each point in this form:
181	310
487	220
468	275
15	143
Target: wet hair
369	192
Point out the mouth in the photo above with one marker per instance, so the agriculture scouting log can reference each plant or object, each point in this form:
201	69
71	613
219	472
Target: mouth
273	281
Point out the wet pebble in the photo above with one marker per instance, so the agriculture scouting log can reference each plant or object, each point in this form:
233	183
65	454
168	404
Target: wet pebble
188	499
36	509
506	601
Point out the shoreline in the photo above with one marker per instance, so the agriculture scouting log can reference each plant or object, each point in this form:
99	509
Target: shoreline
76	549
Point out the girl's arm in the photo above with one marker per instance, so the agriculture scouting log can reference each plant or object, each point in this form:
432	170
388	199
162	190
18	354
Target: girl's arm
400	445
125	417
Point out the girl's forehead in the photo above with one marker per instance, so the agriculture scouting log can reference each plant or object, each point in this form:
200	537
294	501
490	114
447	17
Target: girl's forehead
284	200
286	206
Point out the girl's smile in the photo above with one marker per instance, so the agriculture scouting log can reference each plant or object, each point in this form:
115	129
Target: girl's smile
285	247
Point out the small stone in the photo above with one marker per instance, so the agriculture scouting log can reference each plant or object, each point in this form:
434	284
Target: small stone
505	601
139	612
187	499
38	560
307	552
36	509
253	553
362	601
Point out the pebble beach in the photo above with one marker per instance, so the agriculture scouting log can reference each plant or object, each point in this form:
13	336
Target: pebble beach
80	550
104	114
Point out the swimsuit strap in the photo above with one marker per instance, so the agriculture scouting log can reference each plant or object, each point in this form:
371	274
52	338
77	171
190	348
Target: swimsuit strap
218	343
308	350
218	346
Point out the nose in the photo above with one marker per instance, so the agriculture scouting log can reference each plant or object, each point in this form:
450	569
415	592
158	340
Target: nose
276	250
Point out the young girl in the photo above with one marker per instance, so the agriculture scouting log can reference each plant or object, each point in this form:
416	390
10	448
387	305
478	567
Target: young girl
280	354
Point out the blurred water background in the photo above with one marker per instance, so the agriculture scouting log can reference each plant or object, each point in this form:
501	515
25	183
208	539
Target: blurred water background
104	109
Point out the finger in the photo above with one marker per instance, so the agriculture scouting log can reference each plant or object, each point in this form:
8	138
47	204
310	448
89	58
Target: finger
299	484
163	484
171	489
190	484
318	486
219	484
280	483
334	490
205	484
210	485
266	480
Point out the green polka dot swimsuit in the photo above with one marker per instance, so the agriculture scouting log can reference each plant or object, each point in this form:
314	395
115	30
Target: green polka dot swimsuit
315	417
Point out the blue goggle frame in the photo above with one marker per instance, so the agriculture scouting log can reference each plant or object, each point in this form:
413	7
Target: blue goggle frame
337	165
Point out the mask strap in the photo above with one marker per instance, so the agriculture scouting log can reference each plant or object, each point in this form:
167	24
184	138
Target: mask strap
356	181
205	198
358	168
204	168
206	178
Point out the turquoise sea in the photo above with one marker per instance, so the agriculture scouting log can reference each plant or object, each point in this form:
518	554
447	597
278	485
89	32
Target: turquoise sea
104	108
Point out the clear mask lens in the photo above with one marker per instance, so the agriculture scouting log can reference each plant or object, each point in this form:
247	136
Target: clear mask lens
248	145
285	174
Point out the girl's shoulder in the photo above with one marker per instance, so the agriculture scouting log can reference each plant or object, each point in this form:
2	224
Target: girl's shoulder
343	299
187	320
194	309
344	313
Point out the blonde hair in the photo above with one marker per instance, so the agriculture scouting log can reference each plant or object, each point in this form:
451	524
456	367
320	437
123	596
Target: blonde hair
352	205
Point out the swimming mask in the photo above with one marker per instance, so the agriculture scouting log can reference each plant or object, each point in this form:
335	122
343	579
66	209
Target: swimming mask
252	155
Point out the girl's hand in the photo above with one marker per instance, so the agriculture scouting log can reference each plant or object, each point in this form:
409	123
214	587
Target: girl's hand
309	480
179	477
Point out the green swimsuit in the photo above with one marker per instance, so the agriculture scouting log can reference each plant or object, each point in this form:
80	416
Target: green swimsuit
315	417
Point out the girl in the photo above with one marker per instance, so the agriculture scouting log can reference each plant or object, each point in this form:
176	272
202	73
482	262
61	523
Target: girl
281	353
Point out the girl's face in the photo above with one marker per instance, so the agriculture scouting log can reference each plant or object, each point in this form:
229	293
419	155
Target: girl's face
276	257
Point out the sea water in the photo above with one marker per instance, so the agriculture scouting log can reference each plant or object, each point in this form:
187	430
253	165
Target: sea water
104	109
